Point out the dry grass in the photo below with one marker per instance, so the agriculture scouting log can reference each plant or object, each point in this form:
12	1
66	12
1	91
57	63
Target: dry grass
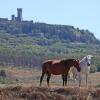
43	93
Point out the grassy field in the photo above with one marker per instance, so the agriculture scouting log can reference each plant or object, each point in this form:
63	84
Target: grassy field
32	75
23	84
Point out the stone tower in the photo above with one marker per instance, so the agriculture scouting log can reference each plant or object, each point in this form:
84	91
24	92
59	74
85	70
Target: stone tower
13	17
19	14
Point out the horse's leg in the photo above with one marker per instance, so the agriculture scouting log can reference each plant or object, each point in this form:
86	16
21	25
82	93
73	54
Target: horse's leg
79	74
41	78
63	78
86	78
48	79
74	77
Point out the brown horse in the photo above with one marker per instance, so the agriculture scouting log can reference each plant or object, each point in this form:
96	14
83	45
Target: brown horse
58	67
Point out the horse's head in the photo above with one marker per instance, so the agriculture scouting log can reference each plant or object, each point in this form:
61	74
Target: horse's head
88	59
76	64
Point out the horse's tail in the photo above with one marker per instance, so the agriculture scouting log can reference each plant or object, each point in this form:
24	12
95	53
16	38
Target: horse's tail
43	68
43	72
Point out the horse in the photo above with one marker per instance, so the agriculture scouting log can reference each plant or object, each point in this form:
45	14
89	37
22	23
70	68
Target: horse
58	67
84	64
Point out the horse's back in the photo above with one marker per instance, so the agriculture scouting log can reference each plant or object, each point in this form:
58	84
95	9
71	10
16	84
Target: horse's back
52	62
46	65
56	61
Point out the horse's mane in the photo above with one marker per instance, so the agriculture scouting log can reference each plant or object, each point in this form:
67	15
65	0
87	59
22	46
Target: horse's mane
67	60
88	56
83	59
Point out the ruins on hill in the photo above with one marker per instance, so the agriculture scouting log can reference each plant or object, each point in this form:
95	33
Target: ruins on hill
17	18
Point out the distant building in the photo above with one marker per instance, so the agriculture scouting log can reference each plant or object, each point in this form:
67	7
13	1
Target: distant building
13	18
19	14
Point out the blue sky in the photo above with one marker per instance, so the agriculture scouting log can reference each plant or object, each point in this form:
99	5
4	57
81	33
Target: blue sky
84	14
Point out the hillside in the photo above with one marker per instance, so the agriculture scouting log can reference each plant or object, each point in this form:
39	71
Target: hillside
48	31
28	43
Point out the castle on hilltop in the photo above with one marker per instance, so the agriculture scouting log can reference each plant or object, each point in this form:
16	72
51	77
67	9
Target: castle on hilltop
8	25
19	17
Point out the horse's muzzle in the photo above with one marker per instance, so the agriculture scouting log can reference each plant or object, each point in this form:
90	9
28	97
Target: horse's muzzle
88	64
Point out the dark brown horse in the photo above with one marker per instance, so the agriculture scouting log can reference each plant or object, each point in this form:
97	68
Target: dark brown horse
58	67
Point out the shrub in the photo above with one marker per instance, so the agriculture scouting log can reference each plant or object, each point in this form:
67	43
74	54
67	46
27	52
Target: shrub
98	68
3	73
93	69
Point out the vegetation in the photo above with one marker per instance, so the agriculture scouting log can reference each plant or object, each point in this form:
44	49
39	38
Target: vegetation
29	44
37	93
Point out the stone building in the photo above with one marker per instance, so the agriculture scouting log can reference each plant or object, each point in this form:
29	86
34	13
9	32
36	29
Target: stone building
19	15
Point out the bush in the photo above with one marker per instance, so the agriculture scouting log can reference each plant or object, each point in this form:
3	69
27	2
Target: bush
97	86
98	68
3	73
93	69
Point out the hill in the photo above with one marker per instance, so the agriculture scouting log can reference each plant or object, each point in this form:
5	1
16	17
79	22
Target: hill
28	43
48	31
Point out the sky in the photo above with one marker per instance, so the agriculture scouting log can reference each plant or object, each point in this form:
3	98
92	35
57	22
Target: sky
84	14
